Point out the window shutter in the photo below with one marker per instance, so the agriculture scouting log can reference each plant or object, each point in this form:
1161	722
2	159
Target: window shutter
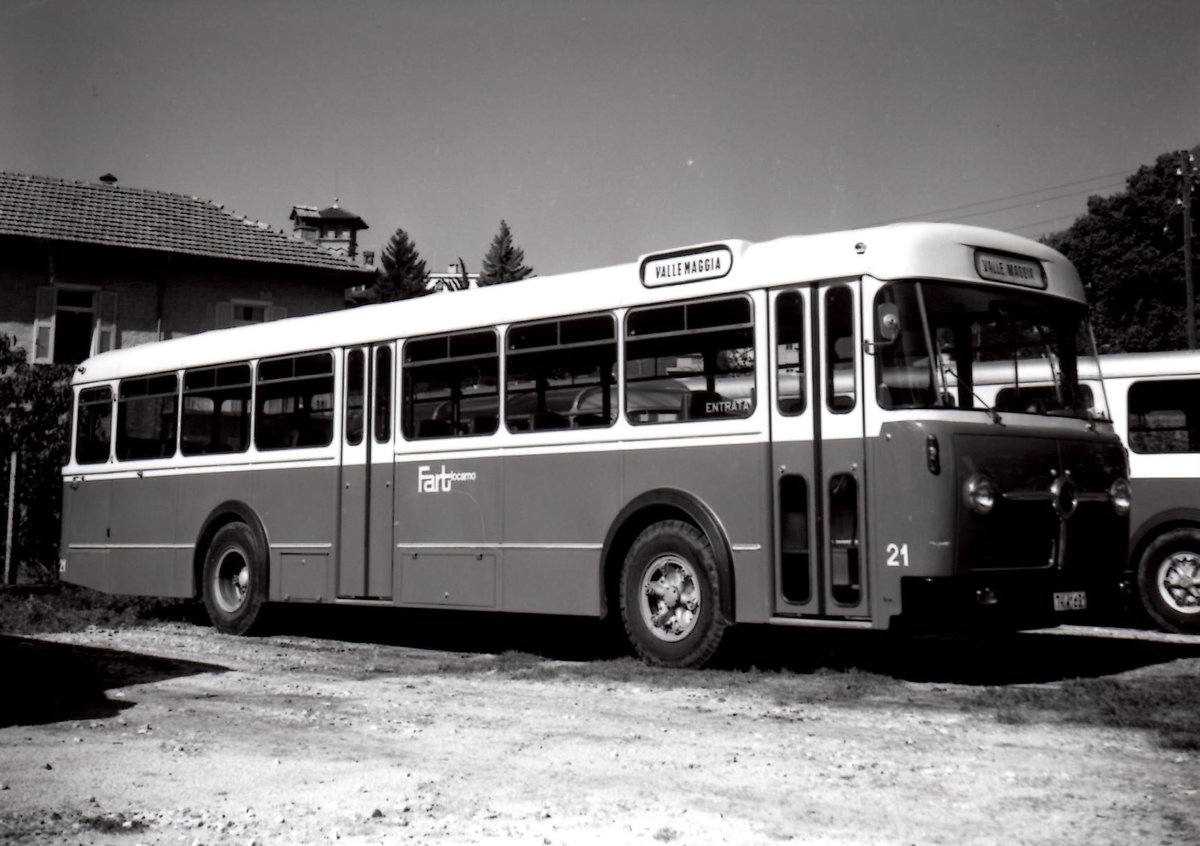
224	315
47	301
276	312
106	322
43	323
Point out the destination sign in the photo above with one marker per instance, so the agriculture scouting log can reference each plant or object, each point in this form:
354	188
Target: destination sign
686	266
997	267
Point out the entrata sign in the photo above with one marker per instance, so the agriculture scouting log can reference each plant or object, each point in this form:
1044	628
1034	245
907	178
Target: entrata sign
691	265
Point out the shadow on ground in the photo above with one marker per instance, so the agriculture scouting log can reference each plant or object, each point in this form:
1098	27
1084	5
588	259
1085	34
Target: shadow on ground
52	682
997	659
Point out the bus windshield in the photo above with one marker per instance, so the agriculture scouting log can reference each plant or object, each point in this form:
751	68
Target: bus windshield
943	345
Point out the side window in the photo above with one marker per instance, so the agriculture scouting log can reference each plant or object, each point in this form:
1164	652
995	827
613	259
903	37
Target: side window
216	410
1164	417
690	361
355	396
383	395
146	414
789	352
560	374
451	385
93	425
841	390
294	402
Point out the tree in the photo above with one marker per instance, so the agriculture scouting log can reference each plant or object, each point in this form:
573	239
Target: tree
35	419
404	274
1128	250
503	262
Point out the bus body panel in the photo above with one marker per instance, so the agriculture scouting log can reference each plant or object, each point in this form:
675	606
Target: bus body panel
1162	502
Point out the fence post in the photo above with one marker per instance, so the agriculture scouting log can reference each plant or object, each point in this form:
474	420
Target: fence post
10	572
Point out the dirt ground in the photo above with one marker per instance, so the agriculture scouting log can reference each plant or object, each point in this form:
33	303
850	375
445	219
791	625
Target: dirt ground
469	729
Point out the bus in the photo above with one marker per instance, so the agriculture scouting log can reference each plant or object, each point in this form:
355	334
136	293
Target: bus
777	433
1155	400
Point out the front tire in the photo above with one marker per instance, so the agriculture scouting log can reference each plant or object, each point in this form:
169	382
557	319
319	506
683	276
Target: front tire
671	596
235	579
1168	580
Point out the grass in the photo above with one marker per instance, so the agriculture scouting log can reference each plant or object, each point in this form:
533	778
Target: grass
64	608
1165	705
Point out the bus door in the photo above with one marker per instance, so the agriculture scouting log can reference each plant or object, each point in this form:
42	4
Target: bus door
817	447
366	483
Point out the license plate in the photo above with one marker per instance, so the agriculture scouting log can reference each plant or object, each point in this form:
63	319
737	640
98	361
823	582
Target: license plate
1070	600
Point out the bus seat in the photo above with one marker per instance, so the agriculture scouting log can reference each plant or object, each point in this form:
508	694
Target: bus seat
484	424
434	429
584	421
550	420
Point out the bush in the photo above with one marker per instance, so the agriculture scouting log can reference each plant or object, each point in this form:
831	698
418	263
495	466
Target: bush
35	421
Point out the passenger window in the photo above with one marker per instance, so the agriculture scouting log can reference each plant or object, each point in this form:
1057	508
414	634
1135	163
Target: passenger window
841	390
355	397
561	374
146	414
93	426
1164	417
690	361
383	395
294	402
216	410
451	386
789	353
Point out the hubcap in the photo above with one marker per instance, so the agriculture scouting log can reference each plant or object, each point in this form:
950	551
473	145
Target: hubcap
233	581
1179	582
670	604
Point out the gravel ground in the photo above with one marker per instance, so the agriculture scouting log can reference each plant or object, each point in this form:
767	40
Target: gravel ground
447	729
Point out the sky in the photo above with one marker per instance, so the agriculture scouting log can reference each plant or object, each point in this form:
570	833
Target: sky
601	130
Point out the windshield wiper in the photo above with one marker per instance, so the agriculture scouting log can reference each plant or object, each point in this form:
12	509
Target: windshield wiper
993	413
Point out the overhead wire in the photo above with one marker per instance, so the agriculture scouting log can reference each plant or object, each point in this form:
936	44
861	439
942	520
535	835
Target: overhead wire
946	211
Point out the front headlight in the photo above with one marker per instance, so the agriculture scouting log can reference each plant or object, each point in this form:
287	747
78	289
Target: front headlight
1120	494
980	494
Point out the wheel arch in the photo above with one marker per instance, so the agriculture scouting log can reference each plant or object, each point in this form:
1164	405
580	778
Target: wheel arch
230	511
1150	529
652	507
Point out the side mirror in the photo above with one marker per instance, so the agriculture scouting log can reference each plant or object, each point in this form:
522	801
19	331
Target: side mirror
888	317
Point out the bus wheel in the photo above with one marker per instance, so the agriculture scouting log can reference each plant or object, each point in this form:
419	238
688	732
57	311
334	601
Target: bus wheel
670	596
1169	581
235	579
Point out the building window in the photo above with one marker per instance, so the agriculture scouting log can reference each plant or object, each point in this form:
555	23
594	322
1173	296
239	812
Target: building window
247	313
72	323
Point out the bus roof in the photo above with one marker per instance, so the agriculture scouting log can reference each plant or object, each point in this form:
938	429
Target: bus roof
896	251
1135	365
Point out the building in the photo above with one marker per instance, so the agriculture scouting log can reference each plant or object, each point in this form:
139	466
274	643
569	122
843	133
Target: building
333	228
86	267
456	278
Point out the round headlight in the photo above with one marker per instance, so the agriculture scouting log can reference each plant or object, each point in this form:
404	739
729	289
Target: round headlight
1120	494
981	494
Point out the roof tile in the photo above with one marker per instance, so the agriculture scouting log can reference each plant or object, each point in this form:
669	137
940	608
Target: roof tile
92	213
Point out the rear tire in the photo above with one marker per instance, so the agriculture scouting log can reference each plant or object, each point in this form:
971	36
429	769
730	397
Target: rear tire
235	579
671	596
1168	581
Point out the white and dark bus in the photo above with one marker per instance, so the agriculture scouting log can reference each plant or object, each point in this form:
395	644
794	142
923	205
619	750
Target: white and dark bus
776	433
1155	402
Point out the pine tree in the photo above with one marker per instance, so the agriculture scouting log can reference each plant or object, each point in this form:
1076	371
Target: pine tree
404	274
503	262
